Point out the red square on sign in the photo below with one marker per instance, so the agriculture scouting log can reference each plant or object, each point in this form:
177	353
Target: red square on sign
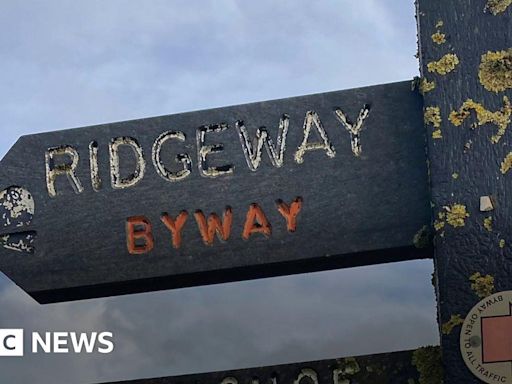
496	339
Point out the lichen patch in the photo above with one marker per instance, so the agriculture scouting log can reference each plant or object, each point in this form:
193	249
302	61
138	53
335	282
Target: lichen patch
456	215
455	320
428	362
426	86
488	224
497	6
432	116
439	38
483	286
495	71
500	118
444	65
506	164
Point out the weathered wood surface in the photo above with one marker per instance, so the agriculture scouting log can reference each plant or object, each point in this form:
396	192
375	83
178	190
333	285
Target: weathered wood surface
364	196
466	162
387	368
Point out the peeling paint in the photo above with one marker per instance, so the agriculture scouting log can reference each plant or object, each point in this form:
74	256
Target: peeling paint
444	65
486	204
483	286
499	118
16	207
19	242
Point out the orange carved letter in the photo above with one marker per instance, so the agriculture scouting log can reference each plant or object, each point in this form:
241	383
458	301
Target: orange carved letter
214	225
175	226
139	228
290	212
256	222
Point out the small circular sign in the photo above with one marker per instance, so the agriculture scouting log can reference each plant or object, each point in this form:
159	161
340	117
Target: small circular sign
486	339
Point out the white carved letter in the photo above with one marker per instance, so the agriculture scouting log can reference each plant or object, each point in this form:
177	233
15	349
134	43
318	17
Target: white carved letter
252	149
307	373
204	150
53	170
180	158
93	160
115	167
354	129
310	120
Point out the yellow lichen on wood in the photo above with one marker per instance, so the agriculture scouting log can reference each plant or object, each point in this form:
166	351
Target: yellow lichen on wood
439	38
440	223
506	164
488	224
499	118
456	215
444	65
495	72
483	286
426	86
497	6
454	321
432	116
439	24
502	243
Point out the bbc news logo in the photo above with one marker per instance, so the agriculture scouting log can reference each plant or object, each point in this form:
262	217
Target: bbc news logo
12	341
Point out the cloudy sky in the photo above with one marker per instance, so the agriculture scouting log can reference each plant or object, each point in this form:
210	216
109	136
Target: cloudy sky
74	63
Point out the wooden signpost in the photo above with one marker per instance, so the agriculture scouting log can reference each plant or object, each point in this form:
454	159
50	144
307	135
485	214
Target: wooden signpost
390	368
466	64
303	184
308	183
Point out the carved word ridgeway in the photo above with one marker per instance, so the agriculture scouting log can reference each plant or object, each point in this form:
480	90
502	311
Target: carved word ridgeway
64	160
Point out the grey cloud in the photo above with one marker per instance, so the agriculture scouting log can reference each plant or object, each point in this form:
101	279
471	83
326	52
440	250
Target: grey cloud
264	322
66	64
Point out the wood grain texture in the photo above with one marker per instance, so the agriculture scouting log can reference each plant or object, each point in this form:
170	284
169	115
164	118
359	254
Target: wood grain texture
355	210
465	162
386	368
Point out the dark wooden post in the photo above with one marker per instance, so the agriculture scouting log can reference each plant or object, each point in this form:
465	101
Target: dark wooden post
466	65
